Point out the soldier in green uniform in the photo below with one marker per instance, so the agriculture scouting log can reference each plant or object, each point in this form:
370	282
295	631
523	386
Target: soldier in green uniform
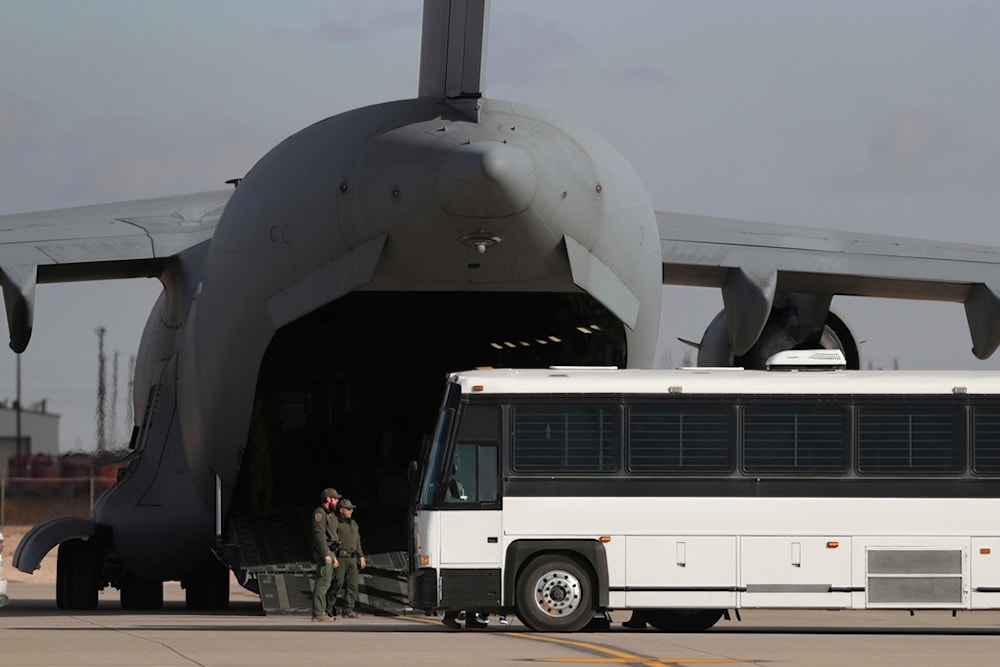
352	558
325	545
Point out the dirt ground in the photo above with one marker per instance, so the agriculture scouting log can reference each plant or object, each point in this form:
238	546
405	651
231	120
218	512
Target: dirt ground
46	574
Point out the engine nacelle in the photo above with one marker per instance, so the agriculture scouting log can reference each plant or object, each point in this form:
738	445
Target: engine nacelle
782	332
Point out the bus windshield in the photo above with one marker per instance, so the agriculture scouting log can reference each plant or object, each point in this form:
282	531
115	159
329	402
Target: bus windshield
435	473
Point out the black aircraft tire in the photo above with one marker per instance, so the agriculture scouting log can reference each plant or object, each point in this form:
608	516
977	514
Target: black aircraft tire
77	582
555	594
209	589
682	620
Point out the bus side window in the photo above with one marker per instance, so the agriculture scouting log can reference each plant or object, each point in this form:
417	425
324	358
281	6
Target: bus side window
462	486
488	473
986	425
474	474
475	467
911	438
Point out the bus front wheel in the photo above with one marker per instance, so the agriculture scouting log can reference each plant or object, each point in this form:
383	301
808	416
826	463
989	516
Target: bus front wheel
554	594
683	620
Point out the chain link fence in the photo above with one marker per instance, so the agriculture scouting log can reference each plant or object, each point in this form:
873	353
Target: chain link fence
38	487
26	501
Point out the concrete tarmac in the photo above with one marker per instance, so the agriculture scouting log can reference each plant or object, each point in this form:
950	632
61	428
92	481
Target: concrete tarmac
34	632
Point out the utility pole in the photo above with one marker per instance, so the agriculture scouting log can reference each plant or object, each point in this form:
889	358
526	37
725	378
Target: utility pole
101	390
113	417
129	395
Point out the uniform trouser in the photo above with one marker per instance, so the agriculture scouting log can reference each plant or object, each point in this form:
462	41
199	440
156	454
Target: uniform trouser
324	592
347	582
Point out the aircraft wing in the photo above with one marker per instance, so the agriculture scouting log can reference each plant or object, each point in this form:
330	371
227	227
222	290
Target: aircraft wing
753	261
118	240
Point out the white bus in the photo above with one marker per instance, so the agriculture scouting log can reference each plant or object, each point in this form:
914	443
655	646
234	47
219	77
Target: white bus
562	493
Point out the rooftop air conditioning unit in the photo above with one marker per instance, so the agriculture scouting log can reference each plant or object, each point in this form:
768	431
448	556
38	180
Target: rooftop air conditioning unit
806	360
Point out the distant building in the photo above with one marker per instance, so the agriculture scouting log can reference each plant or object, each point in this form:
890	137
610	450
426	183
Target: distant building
39	431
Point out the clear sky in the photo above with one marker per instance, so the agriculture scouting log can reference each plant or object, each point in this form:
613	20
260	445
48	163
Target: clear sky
867	115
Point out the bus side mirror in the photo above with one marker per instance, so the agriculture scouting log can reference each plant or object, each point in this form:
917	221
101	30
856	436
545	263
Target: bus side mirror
413	474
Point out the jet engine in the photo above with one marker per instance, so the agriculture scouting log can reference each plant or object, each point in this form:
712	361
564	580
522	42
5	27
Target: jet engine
784	330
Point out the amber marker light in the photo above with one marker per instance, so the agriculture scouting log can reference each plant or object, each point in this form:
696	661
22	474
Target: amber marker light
478	387
605	538
832	545
425	561
985	551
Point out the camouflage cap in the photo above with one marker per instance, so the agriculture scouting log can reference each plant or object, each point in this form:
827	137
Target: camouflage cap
329	493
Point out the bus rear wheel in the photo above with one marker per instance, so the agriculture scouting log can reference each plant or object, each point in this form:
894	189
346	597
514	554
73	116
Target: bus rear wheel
683	620
554	594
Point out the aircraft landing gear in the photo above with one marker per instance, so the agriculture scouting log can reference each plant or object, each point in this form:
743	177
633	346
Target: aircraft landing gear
77	573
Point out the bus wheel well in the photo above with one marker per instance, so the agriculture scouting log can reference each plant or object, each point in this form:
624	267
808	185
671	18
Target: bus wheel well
560	553
588	554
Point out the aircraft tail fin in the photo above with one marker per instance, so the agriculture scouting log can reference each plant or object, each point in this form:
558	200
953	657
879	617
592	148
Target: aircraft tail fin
453	51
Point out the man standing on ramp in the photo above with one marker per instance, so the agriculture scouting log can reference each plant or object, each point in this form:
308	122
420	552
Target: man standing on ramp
325	545
352	558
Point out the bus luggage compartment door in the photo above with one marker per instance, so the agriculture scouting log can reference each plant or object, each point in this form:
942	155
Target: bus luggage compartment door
812	572
984	573
689	571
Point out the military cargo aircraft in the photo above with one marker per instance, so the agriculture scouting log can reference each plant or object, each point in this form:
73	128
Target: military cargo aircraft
370	253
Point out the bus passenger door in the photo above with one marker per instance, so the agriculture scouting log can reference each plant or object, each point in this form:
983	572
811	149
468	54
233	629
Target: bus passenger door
471	520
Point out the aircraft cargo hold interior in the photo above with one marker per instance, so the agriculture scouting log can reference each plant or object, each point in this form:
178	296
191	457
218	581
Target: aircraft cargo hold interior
351	391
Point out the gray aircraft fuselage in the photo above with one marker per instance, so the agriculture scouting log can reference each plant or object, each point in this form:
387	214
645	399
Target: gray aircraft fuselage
402	199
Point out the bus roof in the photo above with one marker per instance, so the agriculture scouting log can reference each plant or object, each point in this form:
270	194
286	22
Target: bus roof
565	380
